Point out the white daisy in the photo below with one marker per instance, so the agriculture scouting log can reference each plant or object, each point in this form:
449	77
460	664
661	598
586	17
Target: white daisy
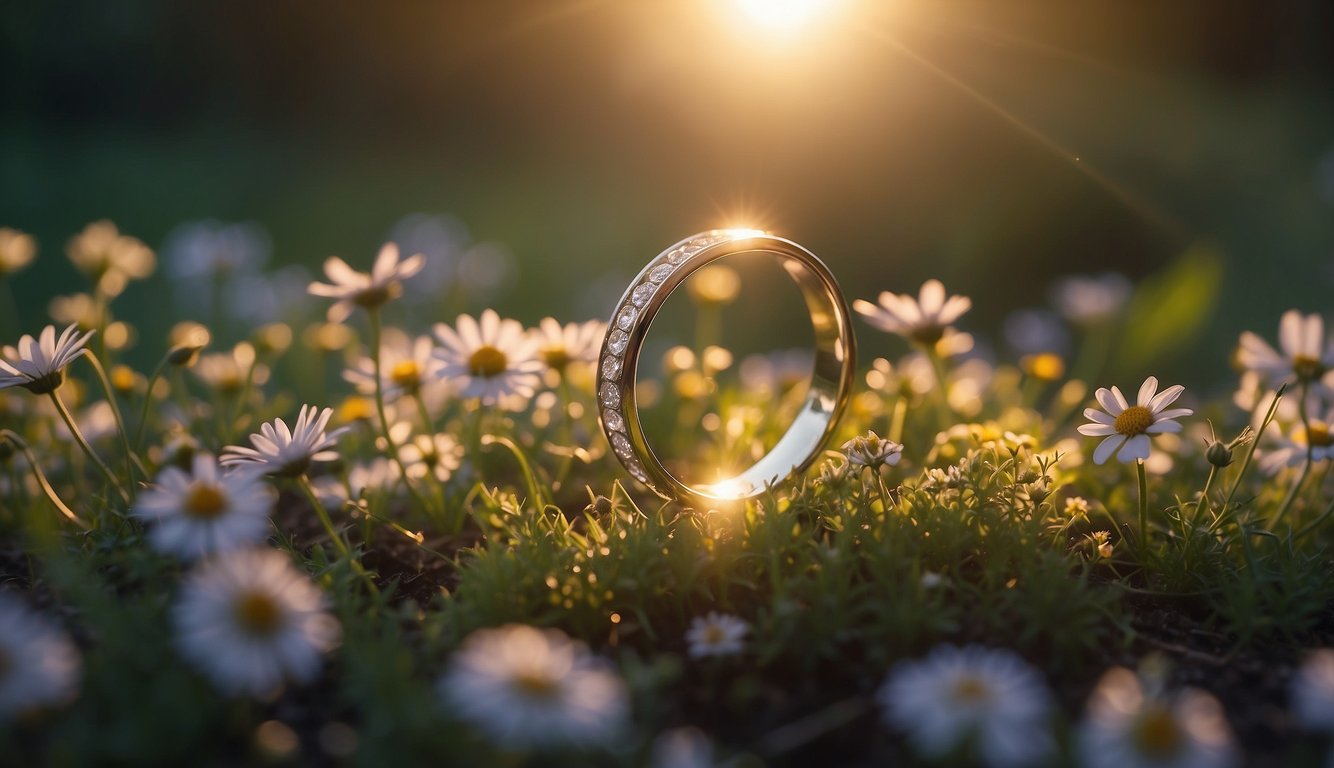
1087	299
284	452
1312	691
406	365
527	687
38	365
717	634
39	666
956	694
205	511
354	289
1126	428
226	372
923	319
488	358
16	250
1305	356
248	619
1127	727
560	345
110	258
871	451
1290	450
437	455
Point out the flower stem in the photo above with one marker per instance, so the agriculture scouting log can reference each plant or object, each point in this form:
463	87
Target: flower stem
1250	454
83	443
1143	505
1306	465
327	522
374	313
148	400
41	479
1204	496
120	422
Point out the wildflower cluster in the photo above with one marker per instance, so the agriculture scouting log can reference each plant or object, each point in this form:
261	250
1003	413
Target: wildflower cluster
436	557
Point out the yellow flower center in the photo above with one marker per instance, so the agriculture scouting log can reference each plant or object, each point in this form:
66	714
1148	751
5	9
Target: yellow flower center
1318	435
535	683
406	374
122	378
1156	734
1134	420
1307	368
374	297
1044	367
927	335
714	634
204	502
970	690
257	613
487	362
556	356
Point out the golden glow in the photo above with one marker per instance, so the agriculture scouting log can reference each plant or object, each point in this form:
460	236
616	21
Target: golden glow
739	233
784	14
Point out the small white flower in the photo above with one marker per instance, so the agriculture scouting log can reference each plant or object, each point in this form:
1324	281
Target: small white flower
1305	356
406	365
284	452
558	346
38	365
205	511
527	687
354	289
1126	428
248	620
39	666
682	748
871	451
1312	692
437	455
210	250
717	634
110	258
923	319
954	694
1127	728
1290	451
488	358
1087	299
16	250
227	372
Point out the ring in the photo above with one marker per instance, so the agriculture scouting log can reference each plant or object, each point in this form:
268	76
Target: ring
826	399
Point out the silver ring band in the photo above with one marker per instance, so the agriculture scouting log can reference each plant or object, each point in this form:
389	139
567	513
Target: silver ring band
826	399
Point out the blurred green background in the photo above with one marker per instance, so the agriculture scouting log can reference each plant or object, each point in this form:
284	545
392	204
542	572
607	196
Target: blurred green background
996	146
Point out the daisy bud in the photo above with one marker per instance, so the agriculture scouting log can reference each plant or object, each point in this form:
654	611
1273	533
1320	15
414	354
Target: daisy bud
1218	453
187	340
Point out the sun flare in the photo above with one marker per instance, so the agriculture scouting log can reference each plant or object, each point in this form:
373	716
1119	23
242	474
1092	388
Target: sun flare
784	14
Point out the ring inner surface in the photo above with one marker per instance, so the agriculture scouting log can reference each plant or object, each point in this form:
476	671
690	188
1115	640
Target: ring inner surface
809	428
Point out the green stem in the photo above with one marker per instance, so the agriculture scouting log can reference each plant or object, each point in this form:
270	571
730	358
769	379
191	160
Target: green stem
120	422
942	388
83	443
1143	505
535	491
1250	454
148	400
343	549
898	419
41	479
1204	496
374	313
1306	465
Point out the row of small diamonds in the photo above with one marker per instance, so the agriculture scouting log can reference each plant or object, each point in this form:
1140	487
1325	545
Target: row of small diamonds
613	362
